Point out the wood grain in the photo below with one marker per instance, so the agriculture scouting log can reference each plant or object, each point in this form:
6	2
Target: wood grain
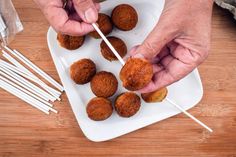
26	132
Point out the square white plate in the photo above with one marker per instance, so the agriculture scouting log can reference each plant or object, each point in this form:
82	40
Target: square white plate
187	92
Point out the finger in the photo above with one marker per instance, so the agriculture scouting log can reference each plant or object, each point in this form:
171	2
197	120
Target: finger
70	6
156	40
133	51
74	16
87	10
134	54
98	6
164	52
60	21
76	28
172	46
149	88
157	68
167	60
172	73
178	65
175	69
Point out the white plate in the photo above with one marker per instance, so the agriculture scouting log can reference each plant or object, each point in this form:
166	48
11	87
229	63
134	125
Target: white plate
187	92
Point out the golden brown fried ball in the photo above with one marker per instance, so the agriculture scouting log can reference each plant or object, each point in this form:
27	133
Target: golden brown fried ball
82	71
105	25
104	84
124	17
99	109
127	104
136	74
119	46
70	42
155	96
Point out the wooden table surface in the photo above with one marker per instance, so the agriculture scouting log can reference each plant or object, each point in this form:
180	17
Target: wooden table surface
26	132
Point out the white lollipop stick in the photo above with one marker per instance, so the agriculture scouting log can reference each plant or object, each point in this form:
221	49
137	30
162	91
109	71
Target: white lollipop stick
31	65
25	91
23	73
27	83
15	62
108	44
29	97
22	68
21	95
189	115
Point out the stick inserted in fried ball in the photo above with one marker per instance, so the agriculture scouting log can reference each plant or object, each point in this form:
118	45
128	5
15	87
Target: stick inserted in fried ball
136	74
119	46
104	24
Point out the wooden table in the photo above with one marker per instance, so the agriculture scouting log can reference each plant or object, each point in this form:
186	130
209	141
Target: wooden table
24	131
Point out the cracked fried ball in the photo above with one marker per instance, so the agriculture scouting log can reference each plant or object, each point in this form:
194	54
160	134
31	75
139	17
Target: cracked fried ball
119	46
70	42
82	71
104	84
99	109
124	17
155	96
136	74
105	25
127	104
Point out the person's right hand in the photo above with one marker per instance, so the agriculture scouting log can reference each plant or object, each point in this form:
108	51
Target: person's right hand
74	19
179	42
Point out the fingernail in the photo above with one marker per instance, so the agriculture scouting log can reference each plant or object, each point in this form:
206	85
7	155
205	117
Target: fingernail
138	55
90	15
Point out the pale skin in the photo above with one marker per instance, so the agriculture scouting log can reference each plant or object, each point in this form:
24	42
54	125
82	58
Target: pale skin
176	46
74	19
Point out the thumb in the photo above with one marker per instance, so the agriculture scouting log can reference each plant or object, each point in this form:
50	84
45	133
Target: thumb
86	10
156	40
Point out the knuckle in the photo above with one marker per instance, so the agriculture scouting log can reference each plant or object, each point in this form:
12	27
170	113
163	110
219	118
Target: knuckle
83	3
59	27
205	51
149	48
205	54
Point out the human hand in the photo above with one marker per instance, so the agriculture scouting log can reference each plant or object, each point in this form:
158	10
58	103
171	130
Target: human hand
73	19
179	42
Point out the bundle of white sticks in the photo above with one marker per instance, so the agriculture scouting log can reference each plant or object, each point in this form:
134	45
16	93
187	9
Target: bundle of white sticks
16	79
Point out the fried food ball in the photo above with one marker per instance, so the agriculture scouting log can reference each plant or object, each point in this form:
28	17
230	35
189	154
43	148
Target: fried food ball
127	104
136	74
105	25
155	96
118	44
99	109
104	84
82	71
70	42
124	17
